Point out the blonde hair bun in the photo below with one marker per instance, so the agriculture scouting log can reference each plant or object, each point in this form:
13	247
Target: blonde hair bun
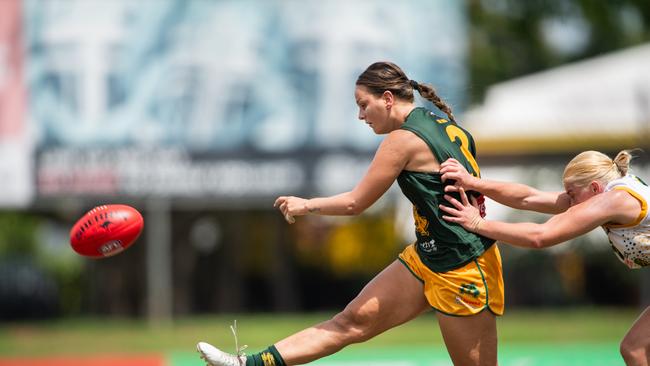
592	165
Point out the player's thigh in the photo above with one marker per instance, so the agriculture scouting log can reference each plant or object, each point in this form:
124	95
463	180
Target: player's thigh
393	297
470	340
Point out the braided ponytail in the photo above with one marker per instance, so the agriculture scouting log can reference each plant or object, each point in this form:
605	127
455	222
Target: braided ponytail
382	76
429	93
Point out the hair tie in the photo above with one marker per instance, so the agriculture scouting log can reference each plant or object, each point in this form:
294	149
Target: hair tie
414	85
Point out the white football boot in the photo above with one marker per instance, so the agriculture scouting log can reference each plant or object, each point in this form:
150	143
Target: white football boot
215	357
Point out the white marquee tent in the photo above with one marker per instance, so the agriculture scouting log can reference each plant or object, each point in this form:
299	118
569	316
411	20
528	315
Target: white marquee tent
601	103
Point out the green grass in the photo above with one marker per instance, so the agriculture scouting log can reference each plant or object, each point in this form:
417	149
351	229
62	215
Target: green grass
122	336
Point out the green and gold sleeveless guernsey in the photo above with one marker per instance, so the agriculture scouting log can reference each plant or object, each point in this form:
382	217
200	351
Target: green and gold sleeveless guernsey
441	245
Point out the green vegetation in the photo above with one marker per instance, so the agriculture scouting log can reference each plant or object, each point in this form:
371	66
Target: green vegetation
510	38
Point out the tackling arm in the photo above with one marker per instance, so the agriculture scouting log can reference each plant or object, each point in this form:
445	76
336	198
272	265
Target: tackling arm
515	195
609	207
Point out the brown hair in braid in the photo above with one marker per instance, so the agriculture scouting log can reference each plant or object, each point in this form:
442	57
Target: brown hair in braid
382	76
429	93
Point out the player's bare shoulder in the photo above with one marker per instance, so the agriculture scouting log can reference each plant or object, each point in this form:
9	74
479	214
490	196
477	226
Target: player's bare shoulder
395	144
624	201
416	152
407	140
615	207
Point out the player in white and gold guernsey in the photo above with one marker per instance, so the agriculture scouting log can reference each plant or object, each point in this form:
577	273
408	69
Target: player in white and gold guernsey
599	191
631	242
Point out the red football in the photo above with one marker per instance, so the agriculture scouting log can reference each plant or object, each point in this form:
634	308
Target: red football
106	230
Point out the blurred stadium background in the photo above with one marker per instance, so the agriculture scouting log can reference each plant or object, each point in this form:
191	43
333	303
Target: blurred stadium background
200	113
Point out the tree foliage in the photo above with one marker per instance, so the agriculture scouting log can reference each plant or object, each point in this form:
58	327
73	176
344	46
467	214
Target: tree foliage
511	38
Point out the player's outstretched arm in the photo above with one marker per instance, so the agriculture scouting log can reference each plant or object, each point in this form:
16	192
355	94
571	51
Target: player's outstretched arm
515	195
609	207
389	161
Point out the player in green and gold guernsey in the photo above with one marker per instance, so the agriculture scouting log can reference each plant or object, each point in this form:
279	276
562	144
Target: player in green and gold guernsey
441	246
448	269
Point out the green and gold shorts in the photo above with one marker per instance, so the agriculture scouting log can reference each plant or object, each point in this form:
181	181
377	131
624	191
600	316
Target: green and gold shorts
464	291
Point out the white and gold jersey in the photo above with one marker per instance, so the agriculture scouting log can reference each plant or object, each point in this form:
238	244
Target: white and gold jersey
631	242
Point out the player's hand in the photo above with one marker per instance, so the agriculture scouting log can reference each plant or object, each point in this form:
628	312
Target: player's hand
291	206
472	200
452	169
463	212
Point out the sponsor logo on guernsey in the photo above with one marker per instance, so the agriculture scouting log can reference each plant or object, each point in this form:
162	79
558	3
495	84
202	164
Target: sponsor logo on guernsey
480	201
428	246
643	262
421	223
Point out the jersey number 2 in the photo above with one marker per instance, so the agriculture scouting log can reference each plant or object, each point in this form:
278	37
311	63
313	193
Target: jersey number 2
454	132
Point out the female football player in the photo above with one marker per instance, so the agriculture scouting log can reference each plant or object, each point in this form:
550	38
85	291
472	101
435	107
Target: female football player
599	191
448	269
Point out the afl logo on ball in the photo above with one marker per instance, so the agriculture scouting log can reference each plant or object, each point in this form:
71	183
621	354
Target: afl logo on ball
106	230
110	248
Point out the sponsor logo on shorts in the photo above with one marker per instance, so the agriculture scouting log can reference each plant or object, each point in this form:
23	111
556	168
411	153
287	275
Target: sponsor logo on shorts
470	289
472	304
470	301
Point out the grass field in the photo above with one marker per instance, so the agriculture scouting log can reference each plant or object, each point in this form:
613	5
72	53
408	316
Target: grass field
526	338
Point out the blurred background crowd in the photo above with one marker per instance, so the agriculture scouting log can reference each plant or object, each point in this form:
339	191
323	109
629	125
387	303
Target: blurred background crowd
200	113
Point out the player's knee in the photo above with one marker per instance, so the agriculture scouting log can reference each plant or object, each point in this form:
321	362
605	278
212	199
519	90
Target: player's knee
632	352
356	324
